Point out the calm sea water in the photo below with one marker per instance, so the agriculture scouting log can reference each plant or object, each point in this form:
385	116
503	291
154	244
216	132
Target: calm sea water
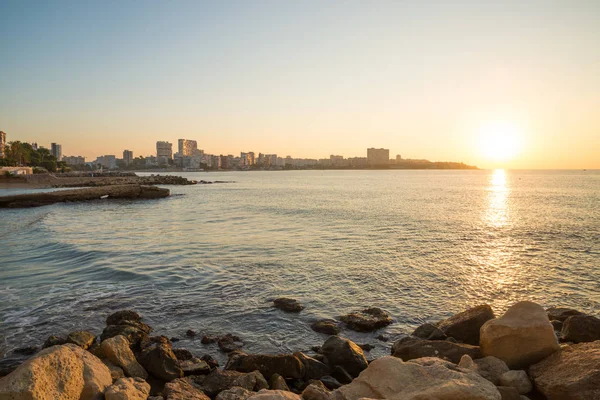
420	244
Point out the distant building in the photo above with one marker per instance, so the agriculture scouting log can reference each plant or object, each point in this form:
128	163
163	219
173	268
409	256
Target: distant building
150	161
187	147
17	170
127	157
164	152
108	162
74	160
56	151
398	158
2	143
378	157
358	162
338	161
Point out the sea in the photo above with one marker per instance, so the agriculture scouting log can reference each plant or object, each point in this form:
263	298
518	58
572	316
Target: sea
211	258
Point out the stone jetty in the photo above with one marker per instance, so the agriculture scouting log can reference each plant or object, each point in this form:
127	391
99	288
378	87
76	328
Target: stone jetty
474	355
84	194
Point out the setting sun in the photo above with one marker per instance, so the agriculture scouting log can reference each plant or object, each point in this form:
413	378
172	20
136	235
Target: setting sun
500	141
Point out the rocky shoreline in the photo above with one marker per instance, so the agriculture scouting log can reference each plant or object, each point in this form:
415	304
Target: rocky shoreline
527	353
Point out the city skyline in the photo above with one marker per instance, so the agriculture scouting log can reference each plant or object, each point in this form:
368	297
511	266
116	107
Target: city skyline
511	85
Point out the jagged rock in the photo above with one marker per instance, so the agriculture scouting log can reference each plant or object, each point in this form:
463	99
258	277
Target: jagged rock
465	326
316	391
126	323
491	368
183	354
58	372
116	350
229	343
266	394
581	328
313	369
123	317
367	320
288	305
572	373
195	366
409	349
218	381
83	339
561	313
183	389
517	379
158	359
508	393
128	389
54	341
429	332
427	378
235	393
276	382
341	375
330	382
326	326
521	337
345	353
212	363
286	365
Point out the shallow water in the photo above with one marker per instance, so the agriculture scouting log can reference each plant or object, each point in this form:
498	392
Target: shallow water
420	244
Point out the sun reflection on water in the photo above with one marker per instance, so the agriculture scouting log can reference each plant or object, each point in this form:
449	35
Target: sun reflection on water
497	214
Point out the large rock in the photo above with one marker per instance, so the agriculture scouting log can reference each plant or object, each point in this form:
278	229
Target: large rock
572	373
581	328
465	326
429	332
561	313
83	339
517	379
521	337
235	393
286	365
123	317
64	372
427	378
266	394
116	350
160	361
326	326
126	323
287	304
183	389
367	320
229	343
416	348
194	366
276	382
491	368
316	391
345	353
313	369
218	381
128	389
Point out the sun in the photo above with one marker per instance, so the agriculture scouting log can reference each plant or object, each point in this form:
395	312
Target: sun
500	141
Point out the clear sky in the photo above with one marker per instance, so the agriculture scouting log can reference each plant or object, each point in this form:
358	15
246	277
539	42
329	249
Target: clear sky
443	80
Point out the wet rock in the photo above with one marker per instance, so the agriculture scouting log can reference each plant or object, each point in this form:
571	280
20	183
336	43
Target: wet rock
517	379
276	382
366	347
330	382
8	365
126	323
561	313
316	391
159	360
383	338
183	354
345	353
229	343
128	389
288	305
190	333
212	363
117	351
83	339
465	326
235	393
341	375
521	337
58	372
208	339
183	389
194	366
54	341
410	349
123	317
491	368
508	393
367	320
313	368
581	328
286	365
572	373
174	339
427	378
326	326
26	351
266	394
218	381
429	332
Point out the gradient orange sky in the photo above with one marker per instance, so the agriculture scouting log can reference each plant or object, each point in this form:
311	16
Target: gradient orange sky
306	79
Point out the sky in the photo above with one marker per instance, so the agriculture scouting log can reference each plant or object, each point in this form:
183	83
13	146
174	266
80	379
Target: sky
446	81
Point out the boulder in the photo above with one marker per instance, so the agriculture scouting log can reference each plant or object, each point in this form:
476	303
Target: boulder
212	363
521	337
235	393
313	369
465	326
116	350
126	323
561	313
286	365
123	317
208	339
83	339
417	348
54	341
59	372
326	326
218	381
427	378
195	366
345	353
367	320
341	375
128	389
581	328
266	394
183	389
517	379
276	382
159	360
491	368
288	305
330	382
182	354
316	391
429	332
572	373
229	343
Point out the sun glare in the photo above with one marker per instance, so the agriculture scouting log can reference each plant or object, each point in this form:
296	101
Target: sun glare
500	141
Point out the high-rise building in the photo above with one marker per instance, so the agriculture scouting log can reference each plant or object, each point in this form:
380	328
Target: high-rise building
74	160
187	147
127	157
378	157
56	151
2	143
164	152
